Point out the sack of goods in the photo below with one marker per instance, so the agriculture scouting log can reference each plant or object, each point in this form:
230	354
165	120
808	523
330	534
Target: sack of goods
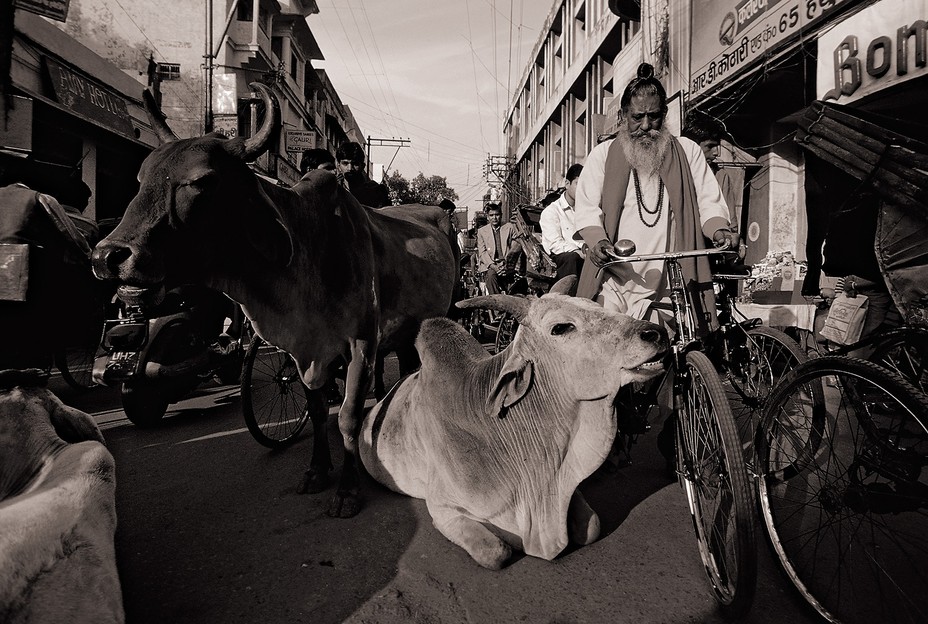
845	319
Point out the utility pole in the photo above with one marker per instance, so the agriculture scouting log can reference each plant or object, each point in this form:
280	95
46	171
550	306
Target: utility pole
208	58
497	171
391	142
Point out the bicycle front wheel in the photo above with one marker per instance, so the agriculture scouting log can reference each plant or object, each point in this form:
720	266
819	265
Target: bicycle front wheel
273	395
850	523
755	367
711	468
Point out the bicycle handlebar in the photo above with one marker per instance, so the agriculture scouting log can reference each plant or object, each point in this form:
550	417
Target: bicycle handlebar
670	255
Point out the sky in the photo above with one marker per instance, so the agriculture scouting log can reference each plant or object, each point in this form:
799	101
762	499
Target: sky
437	72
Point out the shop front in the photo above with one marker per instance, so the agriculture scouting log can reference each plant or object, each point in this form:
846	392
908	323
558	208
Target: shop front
74	118
754	65
867	132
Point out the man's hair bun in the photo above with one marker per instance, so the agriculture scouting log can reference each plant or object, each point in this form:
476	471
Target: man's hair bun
645	71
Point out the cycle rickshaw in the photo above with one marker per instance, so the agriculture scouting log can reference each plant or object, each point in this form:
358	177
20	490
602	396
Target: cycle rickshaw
51	305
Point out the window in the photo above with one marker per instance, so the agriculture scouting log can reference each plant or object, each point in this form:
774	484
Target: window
169	71
277	47
244	12
294	66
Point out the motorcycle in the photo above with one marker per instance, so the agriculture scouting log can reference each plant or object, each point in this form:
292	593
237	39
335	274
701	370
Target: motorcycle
161	347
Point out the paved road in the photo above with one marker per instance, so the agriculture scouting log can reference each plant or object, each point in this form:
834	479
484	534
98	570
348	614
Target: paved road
211	529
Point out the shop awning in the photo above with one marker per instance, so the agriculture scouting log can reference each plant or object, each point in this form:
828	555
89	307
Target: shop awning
873	148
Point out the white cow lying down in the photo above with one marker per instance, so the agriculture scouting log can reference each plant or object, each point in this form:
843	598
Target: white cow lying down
57	511
497	445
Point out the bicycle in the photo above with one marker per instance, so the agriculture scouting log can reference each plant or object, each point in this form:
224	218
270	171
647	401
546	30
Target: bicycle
902	349
843	454
274	399
753	358
709	460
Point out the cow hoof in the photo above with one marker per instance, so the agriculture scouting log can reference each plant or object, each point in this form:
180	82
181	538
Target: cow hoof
344	505
313	482
493	558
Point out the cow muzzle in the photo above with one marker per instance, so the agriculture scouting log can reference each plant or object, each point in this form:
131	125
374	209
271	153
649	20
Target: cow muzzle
112	260
108	258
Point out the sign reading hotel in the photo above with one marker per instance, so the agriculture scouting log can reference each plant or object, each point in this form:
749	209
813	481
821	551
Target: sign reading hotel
729	36
883	45
89	99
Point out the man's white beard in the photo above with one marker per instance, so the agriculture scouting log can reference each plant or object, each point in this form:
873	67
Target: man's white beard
645	153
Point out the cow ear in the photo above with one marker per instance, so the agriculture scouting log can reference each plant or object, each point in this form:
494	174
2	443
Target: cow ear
513	383
73	425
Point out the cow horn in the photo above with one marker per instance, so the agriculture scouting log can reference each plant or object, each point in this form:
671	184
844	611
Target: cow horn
565	286
259	143
157	118
516	306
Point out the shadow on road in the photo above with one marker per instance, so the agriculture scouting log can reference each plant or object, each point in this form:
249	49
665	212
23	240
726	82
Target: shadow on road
211	528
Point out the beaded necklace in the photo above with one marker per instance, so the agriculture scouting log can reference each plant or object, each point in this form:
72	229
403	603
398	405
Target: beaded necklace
644	209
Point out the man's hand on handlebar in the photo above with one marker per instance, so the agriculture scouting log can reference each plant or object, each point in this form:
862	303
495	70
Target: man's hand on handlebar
602	252
726	239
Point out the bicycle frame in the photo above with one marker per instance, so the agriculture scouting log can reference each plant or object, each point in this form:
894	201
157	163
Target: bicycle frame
685	339
708	449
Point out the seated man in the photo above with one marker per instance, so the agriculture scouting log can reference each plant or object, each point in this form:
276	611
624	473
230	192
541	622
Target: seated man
494	241
558	229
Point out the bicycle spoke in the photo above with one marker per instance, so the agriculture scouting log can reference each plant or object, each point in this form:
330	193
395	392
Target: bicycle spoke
851	527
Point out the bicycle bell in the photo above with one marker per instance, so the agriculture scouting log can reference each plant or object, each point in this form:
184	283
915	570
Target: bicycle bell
624	247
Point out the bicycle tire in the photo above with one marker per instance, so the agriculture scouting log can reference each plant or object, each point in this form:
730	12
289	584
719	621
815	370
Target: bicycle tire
905	353
505	331
754	370
76	366
849	526
274	399
724	531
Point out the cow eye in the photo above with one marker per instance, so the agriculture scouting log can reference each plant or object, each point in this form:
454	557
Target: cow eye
562	328
204	181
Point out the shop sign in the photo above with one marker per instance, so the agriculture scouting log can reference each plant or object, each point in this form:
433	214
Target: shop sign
300	140
89	99
883	45
226	125
54	9
225	94
729	36
286	172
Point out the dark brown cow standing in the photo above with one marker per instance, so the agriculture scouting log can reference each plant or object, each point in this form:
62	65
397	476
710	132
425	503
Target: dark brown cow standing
318	274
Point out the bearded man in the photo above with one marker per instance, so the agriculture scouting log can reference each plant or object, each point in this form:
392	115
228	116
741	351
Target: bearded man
657	190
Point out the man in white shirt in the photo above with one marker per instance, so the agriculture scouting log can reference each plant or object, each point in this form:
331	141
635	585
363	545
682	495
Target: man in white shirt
558	229
656	190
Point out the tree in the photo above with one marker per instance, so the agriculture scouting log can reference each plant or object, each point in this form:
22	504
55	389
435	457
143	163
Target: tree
422	190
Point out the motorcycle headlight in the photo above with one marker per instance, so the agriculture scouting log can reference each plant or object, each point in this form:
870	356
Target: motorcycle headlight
123	336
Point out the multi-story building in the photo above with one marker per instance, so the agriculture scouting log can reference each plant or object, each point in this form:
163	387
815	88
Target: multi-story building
580	63
755	66
202	57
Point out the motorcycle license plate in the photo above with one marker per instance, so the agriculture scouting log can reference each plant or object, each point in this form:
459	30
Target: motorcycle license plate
115	367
